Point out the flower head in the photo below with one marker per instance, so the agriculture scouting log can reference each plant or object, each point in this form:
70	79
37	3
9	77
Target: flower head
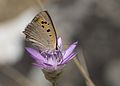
53	60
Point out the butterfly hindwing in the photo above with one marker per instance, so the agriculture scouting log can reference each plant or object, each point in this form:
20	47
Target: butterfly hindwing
41	31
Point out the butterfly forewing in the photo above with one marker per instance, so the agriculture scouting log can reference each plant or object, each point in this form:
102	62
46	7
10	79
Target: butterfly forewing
41	31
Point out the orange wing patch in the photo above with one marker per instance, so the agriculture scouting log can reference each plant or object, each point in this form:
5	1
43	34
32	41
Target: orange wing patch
48	28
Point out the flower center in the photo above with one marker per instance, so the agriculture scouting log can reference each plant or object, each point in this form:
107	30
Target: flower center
53	57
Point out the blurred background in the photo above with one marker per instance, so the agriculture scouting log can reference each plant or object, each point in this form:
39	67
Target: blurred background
94	23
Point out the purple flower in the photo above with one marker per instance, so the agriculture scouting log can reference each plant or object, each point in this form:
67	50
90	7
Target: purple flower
52	60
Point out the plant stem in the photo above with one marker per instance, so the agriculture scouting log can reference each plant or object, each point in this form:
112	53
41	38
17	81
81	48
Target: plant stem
89	82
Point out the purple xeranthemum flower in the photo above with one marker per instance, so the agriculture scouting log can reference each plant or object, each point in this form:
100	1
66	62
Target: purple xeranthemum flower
53	60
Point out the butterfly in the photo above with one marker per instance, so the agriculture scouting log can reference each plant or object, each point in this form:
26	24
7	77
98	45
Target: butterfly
41	31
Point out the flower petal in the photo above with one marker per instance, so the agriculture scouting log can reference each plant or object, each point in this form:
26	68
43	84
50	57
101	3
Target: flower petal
35	54
60	43
70	50
44	66
71	56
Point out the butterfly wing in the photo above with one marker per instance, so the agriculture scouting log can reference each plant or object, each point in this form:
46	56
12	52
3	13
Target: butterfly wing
41	31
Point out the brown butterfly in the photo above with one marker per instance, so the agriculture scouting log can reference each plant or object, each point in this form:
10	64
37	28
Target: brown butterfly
41	31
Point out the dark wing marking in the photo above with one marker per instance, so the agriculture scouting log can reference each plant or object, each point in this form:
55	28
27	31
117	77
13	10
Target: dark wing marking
41	31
